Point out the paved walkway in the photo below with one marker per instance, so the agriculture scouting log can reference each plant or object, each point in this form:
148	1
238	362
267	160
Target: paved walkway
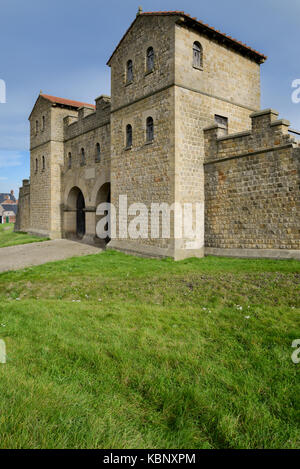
26	255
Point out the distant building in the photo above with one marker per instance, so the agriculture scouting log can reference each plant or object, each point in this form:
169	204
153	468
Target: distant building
8	208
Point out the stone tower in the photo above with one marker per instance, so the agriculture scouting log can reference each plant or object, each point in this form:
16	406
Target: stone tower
197	76
46	161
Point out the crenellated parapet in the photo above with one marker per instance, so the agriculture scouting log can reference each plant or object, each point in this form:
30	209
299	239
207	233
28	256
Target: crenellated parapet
88	118
267	133
23	214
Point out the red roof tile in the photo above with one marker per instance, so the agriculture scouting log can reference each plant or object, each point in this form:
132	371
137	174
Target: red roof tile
67	102
260	58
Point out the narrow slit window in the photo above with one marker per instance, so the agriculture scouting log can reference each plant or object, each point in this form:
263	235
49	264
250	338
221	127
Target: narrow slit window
82	156
150	59
128	136
69	160
98	153
149	129
129	78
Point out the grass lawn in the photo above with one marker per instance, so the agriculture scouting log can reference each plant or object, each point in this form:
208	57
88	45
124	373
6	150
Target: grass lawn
114	351
9	238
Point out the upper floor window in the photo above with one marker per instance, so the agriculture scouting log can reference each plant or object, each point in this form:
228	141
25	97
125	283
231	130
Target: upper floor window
128	135
36	165
82	162
43	163
43	123
150	59
69	160
129	76
36	126
98	153
222	121
149	129
197	55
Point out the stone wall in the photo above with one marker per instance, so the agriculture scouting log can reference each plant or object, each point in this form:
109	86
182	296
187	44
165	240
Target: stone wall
194	111
88	118
225	74
182	101
45	181
156	32
226	84
92	127
40	192
145	171
23	214
252	179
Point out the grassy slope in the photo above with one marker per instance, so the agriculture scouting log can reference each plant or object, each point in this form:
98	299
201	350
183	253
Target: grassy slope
9	238
165	359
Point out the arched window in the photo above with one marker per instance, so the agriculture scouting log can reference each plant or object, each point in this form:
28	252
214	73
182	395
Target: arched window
98	153
150	59
43	163
69	160
149	129
36	126
36	165
43	123
129	76
82	162
197	55
128	135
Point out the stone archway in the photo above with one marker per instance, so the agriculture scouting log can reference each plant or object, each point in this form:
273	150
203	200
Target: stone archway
75	218
80	216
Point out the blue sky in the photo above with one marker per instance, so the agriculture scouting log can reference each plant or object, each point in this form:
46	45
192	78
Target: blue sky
62	47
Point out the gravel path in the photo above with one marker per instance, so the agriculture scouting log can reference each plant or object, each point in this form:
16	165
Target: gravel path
26	255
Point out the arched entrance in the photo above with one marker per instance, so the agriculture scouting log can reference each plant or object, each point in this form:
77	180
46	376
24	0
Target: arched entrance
80	215
103	196
74	224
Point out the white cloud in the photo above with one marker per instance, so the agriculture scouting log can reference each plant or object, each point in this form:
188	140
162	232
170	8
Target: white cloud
10	158
3	179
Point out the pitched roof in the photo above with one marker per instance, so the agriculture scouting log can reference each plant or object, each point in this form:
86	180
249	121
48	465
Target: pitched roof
66	102
10	208
3	197
9	202
205	28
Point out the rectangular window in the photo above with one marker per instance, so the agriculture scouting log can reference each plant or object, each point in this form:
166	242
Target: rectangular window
222	121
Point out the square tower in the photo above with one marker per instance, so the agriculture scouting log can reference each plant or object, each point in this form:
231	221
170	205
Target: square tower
172	76
46	160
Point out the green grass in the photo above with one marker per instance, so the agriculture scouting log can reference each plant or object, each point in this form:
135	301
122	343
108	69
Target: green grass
9	238
114	351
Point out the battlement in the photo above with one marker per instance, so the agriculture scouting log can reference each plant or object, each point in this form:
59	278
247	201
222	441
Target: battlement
267	133
88	118
23	214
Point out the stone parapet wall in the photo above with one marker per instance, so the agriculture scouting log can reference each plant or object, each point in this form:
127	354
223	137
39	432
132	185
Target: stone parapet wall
88	119
23	214
252	180
266	132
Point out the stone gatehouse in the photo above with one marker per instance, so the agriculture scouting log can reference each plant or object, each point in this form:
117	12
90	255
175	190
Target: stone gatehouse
183	125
